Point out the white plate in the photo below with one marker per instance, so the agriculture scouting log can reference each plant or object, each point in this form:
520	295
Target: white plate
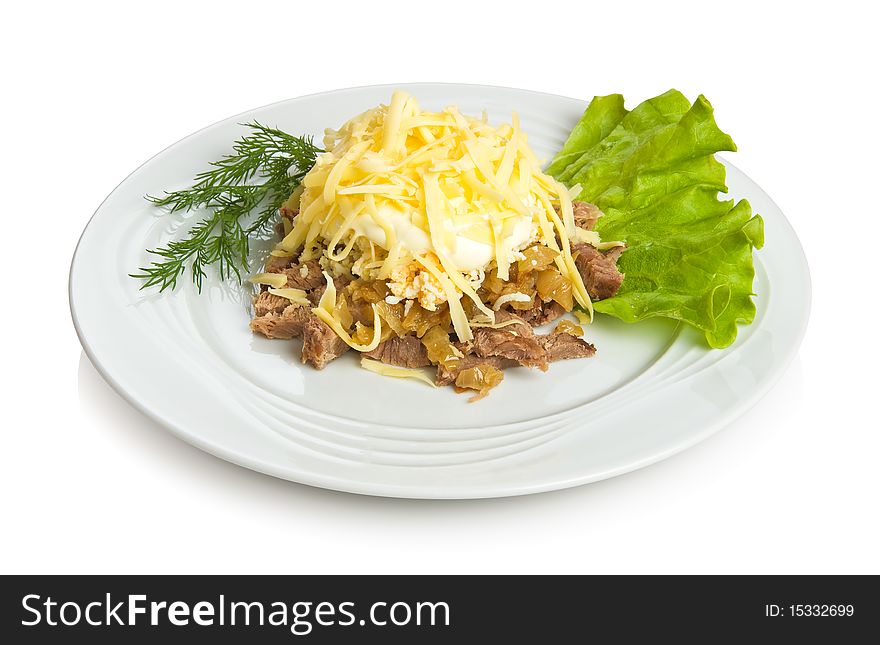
190	362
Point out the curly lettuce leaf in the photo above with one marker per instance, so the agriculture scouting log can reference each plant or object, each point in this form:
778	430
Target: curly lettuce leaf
654	174
603	114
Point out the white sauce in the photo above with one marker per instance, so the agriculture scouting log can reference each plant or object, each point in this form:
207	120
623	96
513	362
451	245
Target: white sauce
467	254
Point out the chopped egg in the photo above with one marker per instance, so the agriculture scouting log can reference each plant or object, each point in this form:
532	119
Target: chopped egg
410	282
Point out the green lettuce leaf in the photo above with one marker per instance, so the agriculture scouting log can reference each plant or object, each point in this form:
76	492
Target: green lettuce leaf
653	173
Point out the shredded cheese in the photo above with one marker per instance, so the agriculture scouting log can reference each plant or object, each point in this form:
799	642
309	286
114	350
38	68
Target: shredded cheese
583	235
297	296
496	325
276	280
441	191
396	372
340	331
326	311
328	298
510	297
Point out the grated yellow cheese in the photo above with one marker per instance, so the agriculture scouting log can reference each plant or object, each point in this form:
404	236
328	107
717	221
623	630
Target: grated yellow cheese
276	280
440	190
397	372
297	296
328	298
583	235
326	311
510	297
495	325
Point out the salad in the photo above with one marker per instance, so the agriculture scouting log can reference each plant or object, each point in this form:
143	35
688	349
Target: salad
435	243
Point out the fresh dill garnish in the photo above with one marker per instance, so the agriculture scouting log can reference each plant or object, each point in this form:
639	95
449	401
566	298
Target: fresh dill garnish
260	174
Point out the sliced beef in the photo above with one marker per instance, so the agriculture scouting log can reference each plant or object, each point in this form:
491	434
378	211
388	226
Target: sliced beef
266	302
598	270
542	313
514	342
285	324
304	275
614	254
561	346
585	215
406	351
447	376
275	264
320	343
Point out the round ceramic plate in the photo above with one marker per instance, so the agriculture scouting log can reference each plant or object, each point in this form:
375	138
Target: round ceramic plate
190	362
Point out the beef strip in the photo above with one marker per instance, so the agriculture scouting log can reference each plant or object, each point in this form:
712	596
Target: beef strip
542	313
285	324
304	275
406	351
276	264
447	376
585	215
561	346
598	270
614	254
515	342
265	302
320	343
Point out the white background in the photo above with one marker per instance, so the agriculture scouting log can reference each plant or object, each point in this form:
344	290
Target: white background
93	90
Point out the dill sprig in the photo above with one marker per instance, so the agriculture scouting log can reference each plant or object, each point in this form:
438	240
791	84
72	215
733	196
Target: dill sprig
263	169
